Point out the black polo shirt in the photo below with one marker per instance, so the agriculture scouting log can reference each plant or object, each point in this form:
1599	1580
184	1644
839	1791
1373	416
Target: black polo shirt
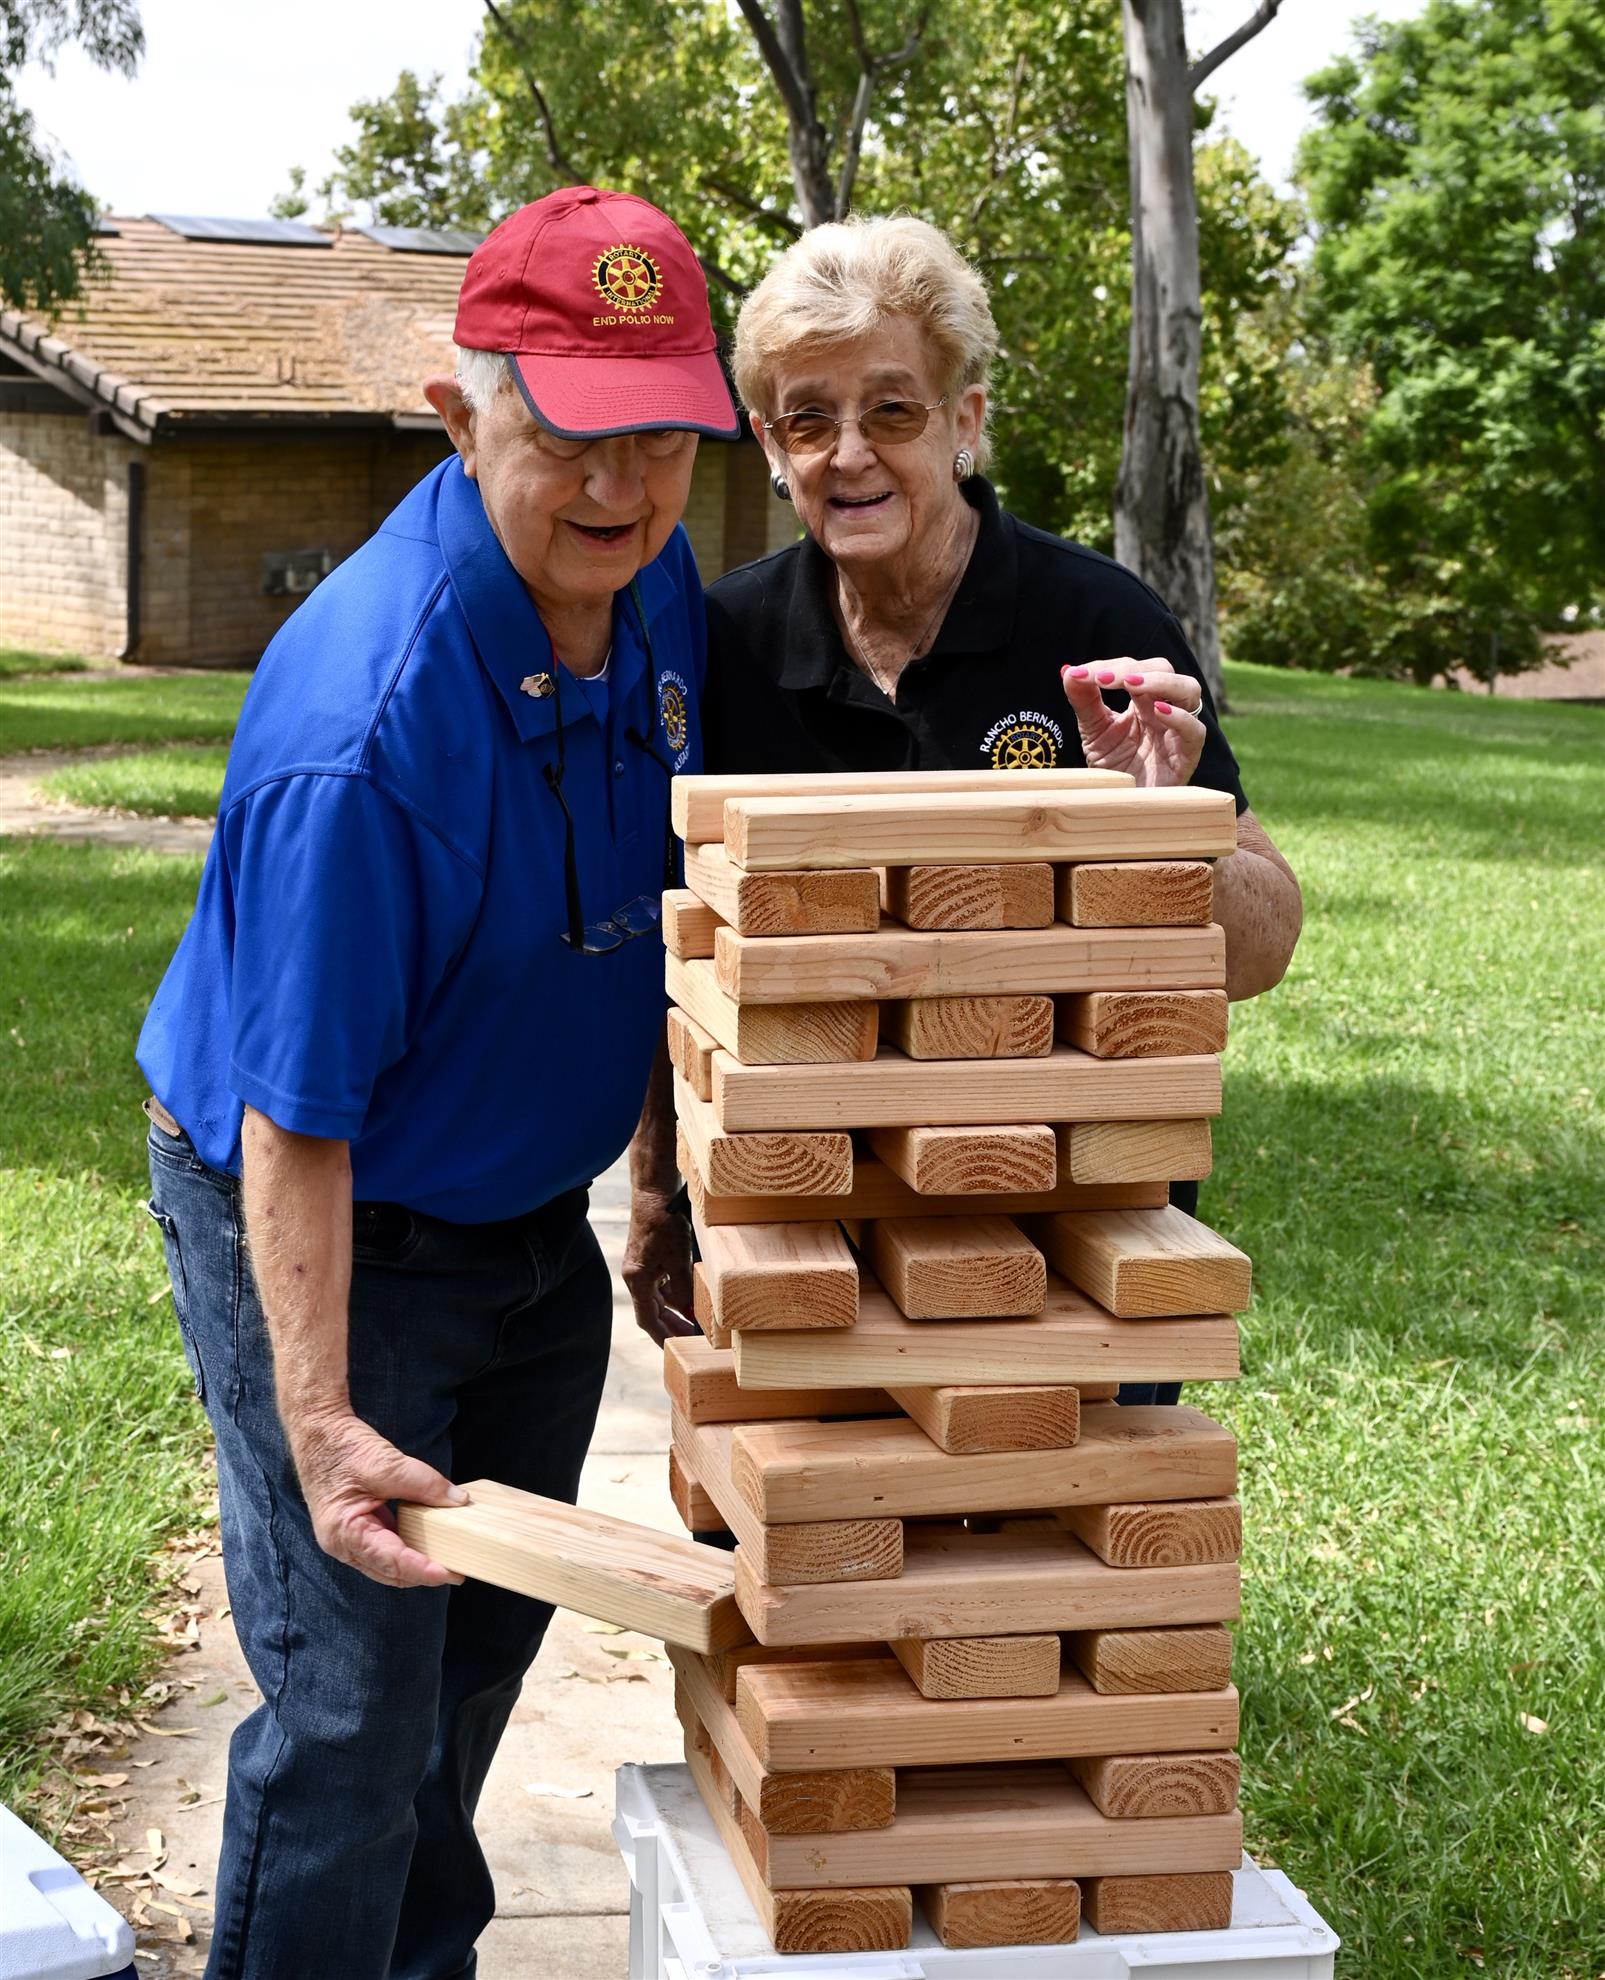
784	694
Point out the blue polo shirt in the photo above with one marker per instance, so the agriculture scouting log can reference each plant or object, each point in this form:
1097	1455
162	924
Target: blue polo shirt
376	953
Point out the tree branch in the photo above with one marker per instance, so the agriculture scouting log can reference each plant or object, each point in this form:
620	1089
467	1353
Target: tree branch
787	80
769	216
1223	51
870	70
559	159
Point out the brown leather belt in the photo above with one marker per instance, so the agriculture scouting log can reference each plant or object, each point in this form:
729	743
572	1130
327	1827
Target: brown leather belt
155	1111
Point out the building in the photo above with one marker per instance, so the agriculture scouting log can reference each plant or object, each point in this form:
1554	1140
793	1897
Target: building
228	411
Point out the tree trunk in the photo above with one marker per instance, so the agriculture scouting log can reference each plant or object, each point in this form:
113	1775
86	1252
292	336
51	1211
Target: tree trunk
1162	526
807	139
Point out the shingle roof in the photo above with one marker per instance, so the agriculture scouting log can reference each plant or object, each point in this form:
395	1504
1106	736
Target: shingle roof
172	332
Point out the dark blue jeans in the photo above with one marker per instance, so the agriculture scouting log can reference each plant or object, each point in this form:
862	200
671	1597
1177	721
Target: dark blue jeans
348	1836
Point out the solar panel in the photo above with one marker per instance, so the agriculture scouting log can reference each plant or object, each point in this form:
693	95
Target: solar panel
105	225
263	233
422	240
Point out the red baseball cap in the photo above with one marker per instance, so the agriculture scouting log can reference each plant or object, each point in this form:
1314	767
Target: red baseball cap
600	307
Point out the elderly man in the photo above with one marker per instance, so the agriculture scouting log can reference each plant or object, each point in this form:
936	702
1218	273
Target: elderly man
406	1026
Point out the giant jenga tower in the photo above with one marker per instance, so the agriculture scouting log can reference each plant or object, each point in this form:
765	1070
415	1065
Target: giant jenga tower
941	1041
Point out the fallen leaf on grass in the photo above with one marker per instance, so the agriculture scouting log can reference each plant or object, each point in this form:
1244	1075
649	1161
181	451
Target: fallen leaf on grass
562	1793
166	1732
1533	1725
218	1697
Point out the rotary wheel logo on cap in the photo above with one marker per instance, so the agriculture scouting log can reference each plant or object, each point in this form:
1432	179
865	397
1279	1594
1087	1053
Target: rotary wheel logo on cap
627	277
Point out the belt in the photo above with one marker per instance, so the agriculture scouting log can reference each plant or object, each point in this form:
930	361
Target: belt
155	1111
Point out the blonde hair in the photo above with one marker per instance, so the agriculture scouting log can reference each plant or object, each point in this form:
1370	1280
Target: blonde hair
843	280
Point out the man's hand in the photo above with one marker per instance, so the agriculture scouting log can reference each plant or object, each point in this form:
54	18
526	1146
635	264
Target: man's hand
657	1267
349	1474
1158	738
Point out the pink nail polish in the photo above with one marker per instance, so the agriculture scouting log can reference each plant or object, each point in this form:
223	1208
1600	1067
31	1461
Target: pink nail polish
1134	680
1078	673
1161	707
1107	676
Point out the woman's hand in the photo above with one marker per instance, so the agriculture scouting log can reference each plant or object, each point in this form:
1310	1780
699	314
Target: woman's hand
1158	738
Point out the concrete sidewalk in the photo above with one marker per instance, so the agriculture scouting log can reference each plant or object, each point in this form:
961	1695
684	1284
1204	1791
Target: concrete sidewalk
594	1700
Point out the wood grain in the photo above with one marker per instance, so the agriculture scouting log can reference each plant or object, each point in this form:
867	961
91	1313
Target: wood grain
688	924
1134	1151
773	1162
1159	1535
935	897
726	1666
1165	1659
779	1275
980	1666
702	1310
899	827
957	1268
691	1052
1200	1902
1016	1027
698	1513
967	1421
1142	1263
841	903
876	1191
962	1161
1135	893
697	803
773	1034
1158	1786
701	1383
1018	1911
1143	1024
901	963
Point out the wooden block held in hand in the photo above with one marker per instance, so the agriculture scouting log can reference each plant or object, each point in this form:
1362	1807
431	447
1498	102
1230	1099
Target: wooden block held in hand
688	924
773	1034
1178	1533
1163	1659
1144	1264
963	1161
1016	1027
981	1666
780	1275
1144	1024
1134	1151
958	1268
845	902
1136	893
767	1162
1159	1785
1023	1417
1195	1901
935	897
1041	1911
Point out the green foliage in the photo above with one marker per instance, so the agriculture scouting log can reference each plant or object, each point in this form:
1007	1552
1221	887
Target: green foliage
1457	177
47	219
415	162
178	782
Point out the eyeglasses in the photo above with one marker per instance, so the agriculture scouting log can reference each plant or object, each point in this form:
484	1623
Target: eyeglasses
638	917
890	424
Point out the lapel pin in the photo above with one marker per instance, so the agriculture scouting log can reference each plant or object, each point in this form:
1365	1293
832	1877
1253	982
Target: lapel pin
539	686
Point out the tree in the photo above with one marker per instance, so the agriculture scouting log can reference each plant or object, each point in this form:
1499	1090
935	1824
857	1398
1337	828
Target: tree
47	220
1162	522
1457	180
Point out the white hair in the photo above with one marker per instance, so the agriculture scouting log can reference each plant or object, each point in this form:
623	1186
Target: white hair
480	376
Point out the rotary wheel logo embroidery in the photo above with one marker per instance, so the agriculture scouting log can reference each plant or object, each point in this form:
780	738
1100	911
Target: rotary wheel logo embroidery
1025	746
671	706
627	278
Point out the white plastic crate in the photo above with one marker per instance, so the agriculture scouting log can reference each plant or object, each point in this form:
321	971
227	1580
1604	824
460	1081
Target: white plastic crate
690	1918
52	1925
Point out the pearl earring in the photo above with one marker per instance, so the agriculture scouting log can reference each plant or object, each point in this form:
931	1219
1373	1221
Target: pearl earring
963	464
782	488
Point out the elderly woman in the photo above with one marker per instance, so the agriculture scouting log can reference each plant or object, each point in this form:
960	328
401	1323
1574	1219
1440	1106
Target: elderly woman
918	625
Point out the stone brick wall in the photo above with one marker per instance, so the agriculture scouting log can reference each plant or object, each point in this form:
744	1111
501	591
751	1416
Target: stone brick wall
63	533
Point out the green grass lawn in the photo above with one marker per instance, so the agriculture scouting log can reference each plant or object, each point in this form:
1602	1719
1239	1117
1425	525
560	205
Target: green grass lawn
16	660
156	708
1412	1152
180	782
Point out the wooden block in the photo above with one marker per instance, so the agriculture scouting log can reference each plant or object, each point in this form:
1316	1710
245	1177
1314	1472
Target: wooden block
982	1822
887	1465
1072	1340
1197	1902
777	1162
714	1335
701	1381
841	903
1144	1024
1119	1662
956	1583
960	1161
835	1550
691	1052
1158	1786
958	1268
727	1665
980	1666
803	1921
891	1091
877	1191
1136	893
588	1561
972	1027
1134	1151
1144	1262
901	963
688	924
773	1034
698	1513
905	828
867	1712
1020	1417
697	803
1016	896
779	1275
1018	1911
1166	1535
820	1802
